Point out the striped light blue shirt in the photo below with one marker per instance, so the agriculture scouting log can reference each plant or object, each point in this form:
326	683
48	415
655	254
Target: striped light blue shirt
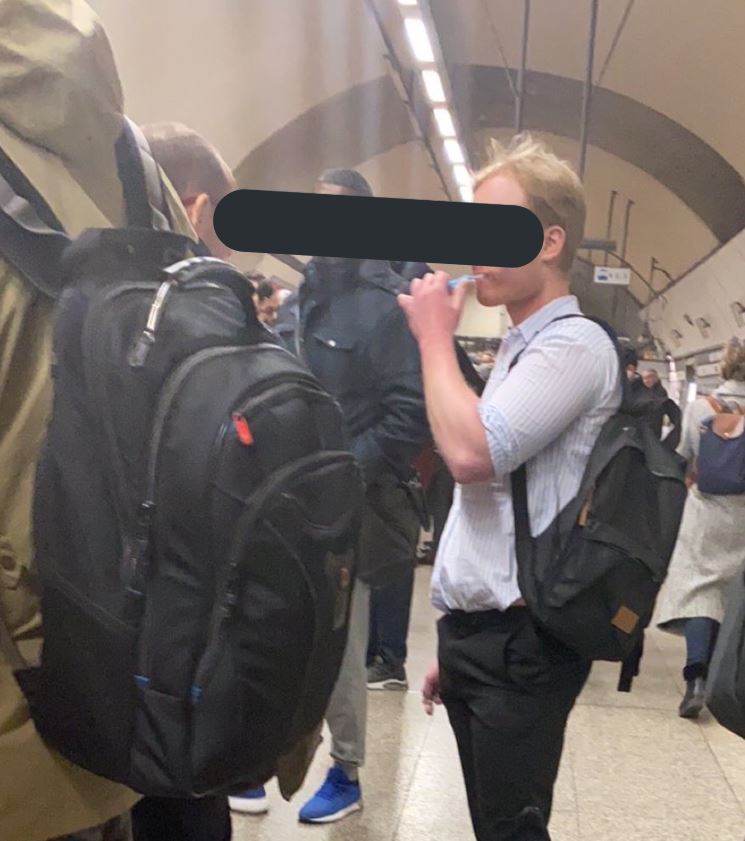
547	413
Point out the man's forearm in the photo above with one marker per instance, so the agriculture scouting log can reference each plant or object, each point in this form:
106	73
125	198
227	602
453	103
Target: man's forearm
453	413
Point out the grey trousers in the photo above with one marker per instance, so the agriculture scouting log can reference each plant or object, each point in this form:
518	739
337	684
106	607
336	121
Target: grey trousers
347	712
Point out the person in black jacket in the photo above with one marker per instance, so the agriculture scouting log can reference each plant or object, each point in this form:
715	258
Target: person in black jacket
390	607
345	323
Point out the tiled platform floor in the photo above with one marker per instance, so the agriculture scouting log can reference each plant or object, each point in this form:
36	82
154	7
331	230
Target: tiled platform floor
632	770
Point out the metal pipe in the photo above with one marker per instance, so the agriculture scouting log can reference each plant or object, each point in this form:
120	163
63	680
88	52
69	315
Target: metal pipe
609	226
629	205
520	96
587	93
399	71
598	245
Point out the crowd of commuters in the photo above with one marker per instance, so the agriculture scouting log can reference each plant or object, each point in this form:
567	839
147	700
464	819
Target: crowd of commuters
380	337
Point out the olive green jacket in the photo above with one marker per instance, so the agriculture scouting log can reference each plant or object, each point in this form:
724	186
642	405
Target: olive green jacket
61	111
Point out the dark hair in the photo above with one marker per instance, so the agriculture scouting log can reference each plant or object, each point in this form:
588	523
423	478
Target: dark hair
350	179
255	279
733	361
192	164
265	290
630	356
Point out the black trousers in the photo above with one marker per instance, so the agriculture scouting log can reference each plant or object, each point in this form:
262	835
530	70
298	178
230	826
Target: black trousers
165	819
508	690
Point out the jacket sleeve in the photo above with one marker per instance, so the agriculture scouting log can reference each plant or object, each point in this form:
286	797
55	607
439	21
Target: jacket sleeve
401	431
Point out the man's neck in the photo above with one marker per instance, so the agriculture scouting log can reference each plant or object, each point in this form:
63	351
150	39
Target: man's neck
521	311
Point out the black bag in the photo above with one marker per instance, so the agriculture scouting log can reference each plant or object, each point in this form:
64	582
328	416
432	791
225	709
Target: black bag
725	686
389	534
591	578
196	516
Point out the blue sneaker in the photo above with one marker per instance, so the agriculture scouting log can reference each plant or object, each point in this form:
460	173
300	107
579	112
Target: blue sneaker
334	800
252	802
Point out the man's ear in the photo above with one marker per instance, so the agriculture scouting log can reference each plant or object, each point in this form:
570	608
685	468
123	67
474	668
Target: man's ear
199	212
553	244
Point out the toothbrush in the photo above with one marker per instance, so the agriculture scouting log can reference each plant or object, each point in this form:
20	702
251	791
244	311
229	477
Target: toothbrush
464	278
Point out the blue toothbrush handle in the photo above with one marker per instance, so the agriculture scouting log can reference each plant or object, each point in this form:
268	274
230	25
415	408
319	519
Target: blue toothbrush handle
457	281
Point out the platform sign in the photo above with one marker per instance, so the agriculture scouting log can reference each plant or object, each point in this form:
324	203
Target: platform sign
607	276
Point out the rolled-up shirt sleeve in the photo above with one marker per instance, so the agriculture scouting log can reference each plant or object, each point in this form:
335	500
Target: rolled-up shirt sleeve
553	384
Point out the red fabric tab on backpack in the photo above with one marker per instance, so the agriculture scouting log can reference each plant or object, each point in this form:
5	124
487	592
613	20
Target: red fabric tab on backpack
243	430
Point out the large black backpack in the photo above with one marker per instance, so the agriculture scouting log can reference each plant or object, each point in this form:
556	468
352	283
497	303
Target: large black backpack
195	522
592	577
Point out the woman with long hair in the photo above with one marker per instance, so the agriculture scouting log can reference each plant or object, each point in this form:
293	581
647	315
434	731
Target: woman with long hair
711	544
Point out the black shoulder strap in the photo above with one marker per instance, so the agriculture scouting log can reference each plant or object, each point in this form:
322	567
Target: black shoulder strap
144	197
520	476
611	333
9	649
32	239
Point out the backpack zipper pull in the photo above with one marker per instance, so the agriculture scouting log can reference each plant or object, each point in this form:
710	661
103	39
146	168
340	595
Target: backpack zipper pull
138	561
141	348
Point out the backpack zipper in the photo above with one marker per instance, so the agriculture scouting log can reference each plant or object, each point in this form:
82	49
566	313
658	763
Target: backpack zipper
166	398
245	409
95	385
227	587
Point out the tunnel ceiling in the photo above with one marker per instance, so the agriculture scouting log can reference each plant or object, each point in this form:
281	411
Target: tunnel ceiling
305	84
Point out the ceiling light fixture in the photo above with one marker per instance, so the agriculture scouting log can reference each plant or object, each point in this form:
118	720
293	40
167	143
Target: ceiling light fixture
445	122
433	86
419	40
462	175
454	151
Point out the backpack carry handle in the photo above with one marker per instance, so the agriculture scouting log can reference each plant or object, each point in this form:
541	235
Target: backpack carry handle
144	198
215	271
204	269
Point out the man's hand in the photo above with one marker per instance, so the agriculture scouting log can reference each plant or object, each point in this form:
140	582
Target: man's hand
432	311
431	689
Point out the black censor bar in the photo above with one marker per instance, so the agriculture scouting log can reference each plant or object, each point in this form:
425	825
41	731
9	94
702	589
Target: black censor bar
409	230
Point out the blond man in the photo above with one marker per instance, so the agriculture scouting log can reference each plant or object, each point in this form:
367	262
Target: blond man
507	687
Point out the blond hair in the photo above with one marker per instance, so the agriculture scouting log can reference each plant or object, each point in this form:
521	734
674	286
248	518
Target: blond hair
555	193
733	361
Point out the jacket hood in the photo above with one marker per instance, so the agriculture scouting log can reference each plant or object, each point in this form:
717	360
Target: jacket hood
59	88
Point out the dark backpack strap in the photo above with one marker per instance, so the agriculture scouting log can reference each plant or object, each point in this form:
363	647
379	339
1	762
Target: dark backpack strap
32	238
144	197
9	649
519	477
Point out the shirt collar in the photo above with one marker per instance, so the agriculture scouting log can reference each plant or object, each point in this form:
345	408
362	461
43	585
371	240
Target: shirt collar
528	329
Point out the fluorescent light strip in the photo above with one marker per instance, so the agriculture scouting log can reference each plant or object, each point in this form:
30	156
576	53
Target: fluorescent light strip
462	175
419	40
454	151
421	45
433	86
445	122
407	2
